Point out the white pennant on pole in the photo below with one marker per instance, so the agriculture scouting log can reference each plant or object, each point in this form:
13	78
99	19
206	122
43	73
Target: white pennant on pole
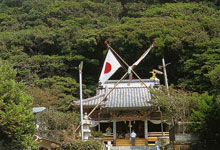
144	54
110	66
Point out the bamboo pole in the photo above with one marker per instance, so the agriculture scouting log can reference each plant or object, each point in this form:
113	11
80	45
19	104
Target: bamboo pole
133	66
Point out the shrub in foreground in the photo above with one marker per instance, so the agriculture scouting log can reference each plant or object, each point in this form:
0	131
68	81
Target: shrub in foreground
85	145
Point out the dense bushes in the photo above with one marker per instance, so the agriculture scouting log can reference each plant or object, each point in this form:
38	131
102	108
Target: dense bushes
16	119
45	40
86	145
98	134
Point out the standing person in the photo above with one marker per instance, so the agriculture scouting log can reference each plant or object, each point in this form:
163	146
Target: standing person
133	136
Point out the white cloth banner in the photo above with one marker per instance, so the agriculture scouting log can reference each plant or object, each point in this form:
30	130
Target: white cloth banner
155	121
144	55
110	66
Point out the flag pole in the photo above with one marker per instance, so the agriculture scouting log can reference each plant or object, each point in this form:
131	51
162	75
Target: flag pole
139	60
106	43
135	64
144	55
81	105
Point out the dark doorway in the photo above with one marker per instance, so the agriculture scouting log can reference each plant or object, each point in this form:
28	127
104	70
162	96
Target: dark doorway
139	128
154	127
104	126
123	128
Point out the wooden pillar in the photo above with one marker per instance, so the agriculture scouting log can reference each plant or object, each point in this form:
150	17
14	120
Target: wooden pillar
146	131
99	121
114	131
99	126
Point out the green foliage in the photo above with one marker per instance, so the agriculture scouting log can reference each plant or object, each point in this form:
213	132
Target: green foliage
49	38
61	91
205	119
16	119
176	106
202	105
44	97
85	145
98	134
37	67
202	110
67	85
56	120
202	66
12	3
57	125
214	76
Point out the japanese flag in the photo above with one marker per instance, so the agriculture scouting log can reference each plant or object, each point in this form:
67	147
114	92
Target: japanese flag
110	66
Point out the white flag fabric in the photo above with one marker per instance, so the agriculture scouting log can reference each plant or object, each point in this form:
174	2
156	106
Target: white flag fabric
144	55
110	66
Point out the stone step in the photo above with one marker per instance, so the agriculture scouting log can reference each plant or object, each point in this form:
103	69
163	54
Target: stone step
128	148
127	142
134	148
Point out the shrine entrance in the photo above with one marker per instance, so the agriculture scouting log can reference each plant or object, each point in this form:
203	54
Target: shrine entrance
121	131
124	129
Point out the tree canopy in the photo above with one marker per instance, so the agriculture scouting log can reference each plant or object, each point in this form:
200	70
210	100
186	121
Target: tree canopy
46	40
16	122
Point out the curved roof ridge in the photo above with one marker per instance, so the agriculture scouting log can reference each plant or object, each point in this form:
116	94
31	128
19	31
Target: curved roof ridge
90	98
121	97
128	87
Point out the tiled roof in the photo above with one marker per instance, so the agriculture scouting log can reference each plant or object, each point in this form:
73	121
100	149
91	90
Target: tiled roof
121	97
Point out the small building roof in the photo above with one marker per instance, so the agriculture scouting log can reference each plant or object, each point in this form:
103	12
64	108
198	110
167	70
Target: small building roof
120	98
38	109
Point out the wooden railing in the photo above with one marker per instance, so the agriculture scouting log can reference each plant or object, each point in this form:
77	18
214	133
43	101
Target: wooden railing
153	137
156	134
152	141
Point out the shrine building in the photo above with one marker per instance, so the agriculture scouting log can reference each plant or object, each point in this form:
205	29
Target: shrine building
128	107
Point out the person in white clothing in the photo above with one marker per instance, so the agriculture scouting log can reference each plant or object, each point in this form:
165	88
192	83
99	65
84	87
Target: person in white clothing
133	136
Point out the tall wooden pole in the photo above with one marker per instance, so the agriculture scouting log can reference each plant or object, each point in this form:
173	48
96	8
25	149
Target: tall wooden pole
131	68
81	105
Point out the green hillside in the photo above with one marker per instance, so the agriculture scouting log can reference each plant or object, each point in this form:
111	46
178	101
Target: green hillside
45	40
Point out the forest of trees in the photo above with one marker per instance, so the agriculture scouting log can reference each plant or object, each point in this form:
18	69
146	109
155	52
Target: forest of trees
45	40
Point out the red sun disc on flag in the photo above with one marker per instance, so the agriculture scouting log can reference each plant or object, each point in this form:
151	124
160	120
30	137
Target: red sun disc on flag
108	67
